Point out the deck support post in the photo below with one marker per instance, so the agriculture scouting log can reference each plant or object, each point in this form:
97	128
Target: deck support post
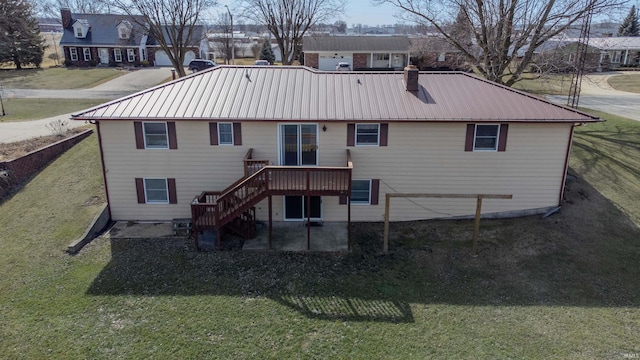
476	227
308	200
349	245
270	221
385	244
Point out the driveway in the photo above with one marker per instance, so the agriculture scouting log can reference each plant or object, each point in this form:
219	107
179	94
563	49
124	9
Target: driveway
596	94
124	85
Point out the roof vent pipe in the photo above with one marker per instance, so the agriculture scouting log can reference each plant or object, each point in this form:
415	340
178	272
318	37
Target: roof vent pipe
411	78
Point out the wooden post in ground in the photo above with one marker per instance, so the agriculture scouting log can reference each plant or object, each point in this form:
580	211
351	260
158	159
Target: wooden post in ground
476	227
476	230
385	244
270	221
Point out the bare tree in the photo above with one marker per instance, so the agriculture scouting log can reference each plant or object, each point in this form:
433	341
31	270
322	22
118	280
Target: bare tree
51	8
500	28
174	24
289	20
222	39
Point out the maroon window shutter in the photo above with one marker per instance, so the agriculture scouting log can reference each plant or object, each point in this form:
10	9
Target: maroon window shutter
375	191
351	134
237	134
140	190
384	134
173	140
171	185
471	131
502	139
213	133
137	127
343	199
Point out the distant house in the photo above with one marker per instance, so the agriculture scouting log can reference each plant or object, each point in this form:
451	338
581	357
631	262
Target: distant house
618	52
560	56
360	52
92	39
234	144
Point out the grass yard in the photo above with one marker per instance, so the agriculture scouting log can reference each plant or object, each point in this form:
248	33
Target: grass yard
625	82
57	78
548	84
608	156
557	288
19	109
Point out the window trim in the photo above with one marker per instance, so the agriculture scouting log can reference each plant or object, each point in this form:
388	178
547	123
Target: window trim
232	143
131	55
86	53
497	136
355	141
166	188
117	55
144	134
79	32
368	202
73	53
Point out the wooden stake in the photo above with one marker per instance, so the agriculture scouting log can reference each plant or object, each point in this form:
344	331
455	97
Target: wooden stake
476	227
385	245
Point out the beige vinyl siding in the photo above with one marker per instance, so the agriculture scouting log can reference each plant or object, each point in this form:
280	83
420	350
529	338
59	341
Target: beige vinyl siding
420	157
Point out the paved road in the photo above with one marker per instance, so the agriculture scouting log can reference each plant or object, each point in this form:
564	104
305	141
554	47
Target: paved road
598	95
126	84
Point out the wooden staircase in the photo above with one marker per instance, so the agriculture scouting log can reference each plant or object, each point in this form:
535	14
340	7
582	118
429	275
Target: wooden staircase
234	207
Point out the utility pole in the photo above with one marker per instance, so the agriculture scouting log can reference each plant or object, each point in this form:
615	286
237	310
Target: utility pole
233	46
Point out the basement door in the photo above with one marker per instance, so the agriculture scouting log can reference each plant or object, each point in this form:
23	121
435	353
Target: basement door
299	147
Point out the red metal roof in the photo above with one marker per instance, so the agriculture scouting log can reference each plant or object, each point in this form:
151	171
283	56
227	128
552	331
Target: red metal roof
302	94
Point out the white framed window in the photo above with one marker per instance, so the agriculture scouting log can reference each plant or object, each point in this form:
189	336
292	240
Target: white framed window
87	54
117	55
156	191
225	134
380	57
367	134
486	137
73	52
131	55
155	135
79	32
361	192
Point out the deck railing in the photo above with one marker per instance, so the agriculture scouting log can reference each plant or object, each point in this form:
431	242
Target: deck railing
215	209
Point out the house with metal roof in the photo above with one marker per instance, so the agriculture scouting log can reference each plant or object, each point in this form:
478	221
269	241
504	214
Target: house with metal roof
231	145
116	40
359	52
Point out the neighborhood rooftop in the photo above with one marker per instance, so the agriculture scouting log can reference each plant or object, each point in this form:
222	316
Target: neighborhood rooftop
304	94
356	43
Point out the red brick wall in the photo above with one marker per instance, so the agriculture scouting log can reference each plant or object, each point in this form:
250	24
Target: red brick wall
16	171
360	61
311	60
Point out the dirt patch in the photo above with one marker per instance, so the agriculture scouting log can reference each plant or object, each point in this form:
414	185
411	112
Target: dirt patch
10	151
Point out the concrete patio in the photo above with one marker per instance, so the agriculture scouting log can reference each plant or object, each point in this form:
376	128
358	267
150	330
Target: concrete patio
287	236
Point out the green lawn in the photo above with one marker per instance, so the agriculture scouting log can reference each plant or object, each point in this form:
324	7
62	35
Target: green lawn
548	84
18	109
608	156
57	78
557	288
625	82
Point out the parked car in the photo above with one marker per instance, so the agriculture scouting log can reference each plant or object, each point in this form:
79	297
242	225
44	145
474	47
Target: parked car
261	62
343	66
200	64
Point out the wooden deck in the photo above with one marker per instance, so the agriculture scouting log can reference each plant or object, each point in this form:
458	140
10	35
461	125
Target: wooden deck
213	210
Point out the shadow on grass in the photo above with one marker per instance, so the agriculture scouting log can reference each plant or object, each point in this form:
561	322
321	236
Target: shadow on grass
584	256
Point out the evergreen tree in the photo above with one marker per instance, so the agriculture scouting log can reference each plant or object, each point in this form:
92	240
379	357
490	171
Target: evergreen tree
267	52
630	26
20	40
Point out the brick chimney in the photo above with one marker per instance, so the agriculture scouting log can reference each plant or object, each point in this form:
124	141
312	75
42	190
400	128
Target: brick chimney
65	13
411	78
